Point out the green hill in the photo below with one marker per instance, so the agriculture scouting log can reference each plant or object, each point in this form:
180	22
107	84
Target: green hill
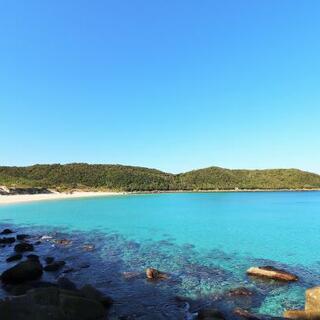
215	178
127	178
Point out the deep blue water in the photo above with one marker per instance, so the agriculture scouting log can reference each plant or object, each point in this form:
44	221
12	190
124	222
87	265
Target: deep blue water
206	241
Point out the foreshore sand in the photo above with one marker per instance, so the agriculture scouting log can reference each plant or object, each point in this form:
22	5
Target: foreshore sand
11	199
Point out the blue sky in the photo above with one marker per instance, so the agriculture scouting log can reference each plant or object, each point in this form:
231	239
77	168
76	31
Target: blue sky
174	85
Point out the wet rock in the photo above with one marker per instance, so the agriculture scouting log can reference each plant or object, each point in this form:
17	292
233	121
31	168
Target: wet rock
49	260
7	240
154	274
90	292
14	257
23	247
22	237
65	283
23	271
302	315
33	257
81	308
6	231
55	266
312	306
37	242
69	270
20	289
272	273
84	265
52	304
210	314
239	292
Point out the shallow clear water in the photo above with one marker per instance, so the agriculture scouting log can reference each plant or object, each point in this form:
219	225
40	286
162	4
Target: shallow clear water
205	240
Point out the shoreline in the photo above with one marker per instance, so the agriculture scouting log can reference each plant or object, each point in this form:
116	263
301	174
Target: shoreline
23	198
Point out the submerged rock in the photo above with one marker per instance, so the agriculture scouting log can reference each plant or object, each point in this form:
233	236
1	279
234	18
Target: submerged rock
23	247
7	240
239	292
55	266
210	314
21	272
88	247
14	257
6	231
21	237
49	260
62	242
33	257
245	314
90	292
271	273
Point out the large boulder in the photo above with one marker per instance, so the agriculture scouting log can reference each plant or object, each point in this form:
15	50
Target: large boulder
76	307
312	307
91	292
51	303
271	273
21	272
313	299
302	315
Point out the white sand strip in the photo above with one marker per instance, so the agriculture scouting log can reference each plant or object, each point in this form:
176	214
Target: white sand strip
10	199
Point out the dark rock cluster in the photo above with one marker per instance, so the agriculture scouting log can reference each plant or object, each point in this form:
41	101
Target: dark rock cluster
33	299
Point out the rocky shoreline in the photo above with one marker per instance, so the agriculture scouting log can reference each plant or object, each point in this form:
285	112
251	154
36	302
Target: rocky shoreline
36	283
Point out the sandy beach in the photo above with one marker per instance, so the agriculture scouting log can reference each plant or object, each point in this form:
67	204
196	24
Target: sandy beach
11	199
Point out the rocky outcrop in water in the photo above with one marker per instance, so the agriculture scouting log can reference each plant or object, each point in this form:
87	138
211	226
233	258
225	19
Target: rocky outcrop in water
53	303
272	273
312	307
210	314
23	271
23	247
154	274
6	231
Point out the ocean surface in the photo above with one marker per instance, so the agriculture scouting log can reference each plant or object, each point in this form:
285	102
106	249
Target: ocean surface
205	241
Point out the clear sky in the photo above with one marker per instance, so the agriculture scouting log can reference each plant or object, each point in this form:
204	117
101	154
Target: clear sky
170	84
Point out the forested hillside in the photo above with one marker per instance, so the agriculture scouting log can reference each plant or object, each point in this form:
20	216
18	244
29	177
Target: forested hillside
128	178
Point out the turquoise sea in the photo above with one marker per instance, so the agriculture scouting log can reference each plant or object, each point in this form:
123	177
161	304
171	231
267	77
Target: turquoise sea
206	241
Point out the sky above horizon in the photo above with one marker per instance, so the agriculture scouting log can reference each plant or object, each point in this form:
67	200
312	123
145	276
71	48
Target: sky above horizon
174	85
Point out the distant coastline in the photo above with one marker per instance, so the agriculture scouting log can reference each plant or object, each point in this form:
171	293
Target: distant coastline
23	198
